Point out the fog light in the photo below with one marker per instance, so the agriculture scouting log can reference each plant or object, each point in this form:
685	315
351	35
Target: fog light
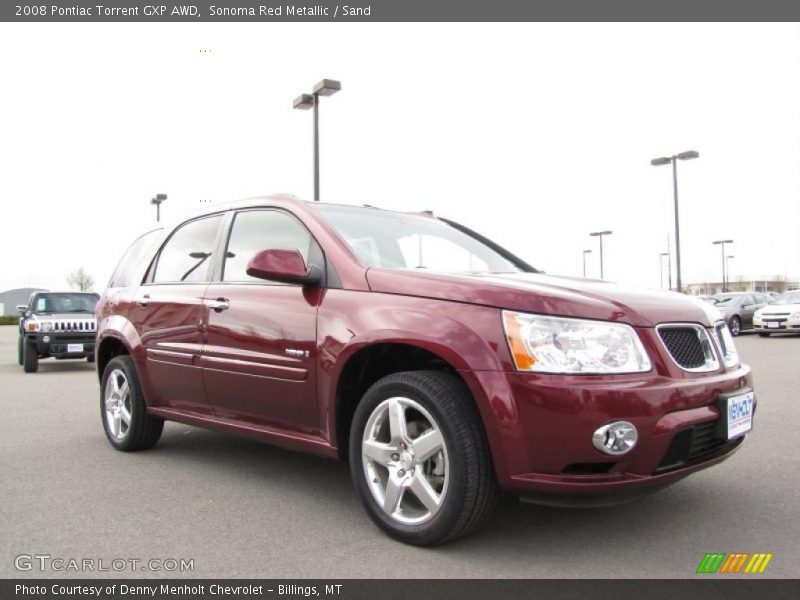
615	438
46	339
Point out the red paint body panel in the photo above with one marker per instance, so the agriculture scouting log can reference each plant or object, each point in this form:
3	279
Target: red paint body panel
269	364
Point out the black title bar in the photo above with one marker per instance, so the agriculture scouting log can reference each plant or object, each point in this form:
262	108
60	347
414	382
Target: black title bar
400	10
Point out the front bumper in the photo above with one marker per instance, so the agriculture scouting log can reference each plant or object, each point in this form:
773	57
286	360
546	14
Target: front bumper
542	444
777	323
57	344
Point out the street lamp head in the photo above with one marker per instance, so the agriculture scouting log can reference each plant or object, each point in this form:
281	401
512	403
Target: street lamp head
587	251
688	155
158	199
664	254
663	160
723	242
596	233
303	102
730	256
327	87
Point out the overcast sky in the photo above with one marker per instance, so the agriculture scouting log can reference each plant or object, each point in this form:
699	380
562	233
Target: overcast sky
533	134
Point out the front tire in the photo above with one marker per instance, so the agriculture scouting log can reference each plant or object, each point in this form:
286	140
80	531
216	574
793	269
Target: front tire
30	358
420	460
20	358
123	411
735	325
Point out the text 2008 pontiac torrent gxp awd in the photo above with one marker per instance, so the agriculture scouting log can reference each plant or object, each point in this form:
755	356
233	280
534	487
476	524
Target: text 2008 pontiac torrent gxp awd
443	367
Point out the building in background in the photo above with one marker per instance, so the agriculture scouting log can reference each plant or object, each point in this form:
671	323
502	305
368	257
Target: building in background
775	283
11	298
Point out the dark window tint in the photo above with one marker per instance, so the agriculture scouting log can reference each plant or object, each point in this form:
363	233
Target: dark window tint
131	259
257	230
187	255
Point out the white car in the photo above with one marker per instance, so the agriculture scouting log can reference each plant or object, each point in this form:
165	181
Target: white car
782	315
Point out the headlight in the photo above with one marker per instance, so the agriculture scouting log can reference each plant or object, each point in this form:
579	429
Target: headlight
795	315
543	344
45	326
31	326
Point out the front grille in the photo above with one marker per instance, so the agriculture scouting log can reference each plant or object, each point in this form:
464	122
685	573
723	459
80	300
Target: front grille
685	344
695	444
81	325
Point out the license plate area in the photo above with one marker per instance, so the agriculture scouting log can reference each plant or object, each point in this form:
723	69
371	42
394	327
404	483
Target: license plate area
74	348
736	412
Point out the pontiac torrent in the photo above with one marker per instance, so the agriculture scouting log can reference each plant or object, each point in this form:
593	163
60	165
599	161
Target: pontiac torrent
441	366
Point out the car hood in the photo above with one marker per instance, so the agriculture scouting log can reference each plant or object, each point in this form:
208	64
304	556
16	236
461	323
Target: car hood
548	294
779	308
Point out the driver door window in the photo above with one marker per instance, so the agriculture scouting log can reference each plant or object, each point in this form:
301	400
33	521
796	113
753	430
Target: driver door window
257	230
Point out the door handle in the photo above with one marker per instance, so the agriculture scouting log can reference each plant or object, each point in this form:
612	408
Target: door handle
144	300
218	305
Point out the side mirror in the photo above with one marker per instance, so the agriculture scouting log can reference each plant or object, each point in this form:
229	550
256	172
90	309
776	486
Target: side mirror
22	308
286	266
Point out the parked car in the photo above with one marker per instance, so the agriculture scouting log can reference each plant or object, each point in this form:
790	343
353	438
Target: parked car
738	308
781	316
440	365
56	324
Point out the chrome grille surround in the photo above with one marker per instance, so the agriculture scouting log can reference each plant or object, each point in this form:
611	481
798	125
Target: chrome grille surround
689	346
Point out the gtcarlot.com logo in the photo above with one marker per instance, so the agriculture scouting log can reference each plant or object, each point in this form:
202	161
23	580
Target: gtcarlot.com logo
46	562
737	562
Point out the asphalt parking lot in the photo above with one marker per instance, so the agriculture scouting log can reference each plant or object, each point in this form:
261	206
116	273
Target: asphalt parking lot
243	509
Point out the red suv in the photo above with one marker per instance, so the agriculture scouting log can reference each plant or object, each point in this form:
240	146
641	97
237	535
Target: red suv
443	367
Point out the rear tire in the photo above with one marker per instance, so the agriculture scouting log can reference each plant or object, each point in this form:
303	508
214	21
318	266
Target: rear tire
418	500
763	334
30	358
90	358
20	349
123	410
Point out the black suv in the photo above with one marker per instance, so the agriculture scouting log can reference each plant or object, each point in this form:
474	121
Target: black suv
57	324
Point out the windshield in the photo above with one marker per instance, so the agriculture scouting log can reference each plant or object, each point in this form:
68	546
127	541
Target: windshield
403	241
727	299
788	298
65	303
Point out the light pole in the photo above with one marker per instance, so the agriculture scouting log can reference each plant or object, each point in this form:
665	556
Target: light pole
585	252
600	234
157	200
665	160
669	269
728	267
326	87
722	244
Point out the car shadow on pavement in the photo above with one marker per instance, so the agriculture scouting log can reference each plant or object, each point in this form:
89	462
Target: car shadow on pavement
527	527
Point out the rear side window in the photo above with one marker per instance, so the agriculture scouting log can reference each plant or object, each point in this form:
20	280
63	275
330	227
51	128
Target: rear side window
187	255
126	268
257	230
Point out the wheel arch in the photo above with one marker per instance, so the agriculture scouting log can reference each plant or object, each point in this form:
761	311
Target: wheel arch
370	362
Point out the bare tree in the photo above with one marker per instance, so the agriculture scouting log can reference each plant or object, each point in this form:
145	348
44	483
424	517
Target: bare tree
80	280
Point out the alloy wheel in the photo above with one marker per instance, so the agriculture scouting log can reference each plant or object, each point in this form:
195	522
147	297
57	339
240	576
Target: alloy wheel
117	399
405	460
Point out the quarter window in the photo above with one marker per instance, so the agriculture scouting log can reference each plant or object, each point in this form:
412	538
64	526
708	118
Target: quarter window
187	255
257	230
130	260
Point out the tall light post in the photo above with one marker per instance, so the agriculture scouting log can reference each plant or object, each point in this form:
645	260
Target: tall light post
669	269
157	200
724	278
326	87
600	234
666	160
728	267
585	252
